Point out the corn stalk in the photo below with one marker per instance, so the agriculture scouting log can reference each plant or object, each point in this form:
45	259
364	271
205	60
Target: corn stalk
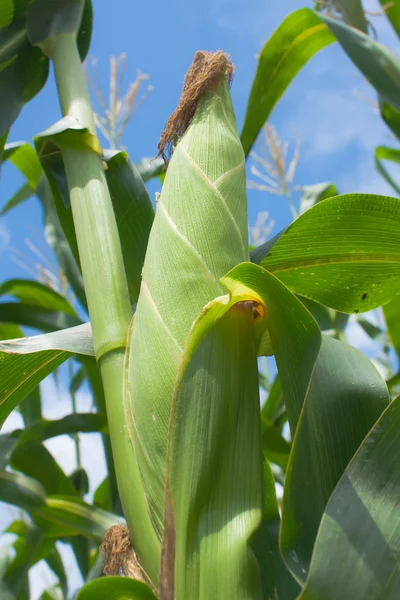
99	249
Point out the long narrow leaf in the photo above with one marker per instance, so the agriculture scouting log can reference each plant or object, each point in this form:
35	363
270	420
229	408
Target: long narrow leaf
297	39
377	63
360	530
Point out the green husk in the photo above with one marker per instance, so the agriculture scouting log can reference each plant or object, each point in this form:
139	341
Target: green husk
199	234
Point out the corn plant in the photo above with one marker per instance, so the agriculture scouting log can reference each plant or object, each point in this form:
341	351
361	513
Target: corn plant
180	310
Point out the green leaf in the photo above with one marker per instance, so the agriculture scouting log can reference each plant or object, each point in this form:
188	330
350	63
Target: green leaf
24	193
134	214
48	20
8	442
40	306
344	252
53	593
275	448
324	316
101	497
25	159
273	401
19	375
377	63
36	294
35	317
34	460
55	563
391	117
374	332
277	582
75	423
338	412
57	516
132	206
297	39
312	194
392	10
360	529
21	79
384	153
23	156
391	311
57	240
74	340
15	578
45	20
31	407
383	171
151	167
115	588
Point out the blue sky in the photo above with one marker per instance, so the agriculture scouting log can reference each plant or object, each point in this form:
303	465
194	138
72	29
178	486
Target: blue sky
338	129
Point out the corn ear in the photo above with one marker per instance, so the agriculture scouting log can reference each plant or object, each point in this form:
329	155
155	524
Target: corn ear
199	234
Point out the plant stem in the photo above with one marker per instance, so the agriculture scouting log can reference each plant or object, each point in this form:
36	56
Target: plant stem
106	290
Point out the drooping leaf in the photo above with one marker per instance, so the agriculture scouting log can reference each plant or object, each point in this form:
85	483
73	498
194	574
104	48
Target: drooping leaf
77	339
297	39
277	582
19	375
377	62
134	214
132	206
115	588
57	516
34	460
24	193
36	317
327	414
345	397
189	499
68	425
360	529
23	156
344	252
20	80
36	294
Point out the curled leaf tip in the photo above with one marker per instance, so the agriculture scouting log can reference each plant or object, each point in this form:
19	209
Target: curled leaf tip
204	75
